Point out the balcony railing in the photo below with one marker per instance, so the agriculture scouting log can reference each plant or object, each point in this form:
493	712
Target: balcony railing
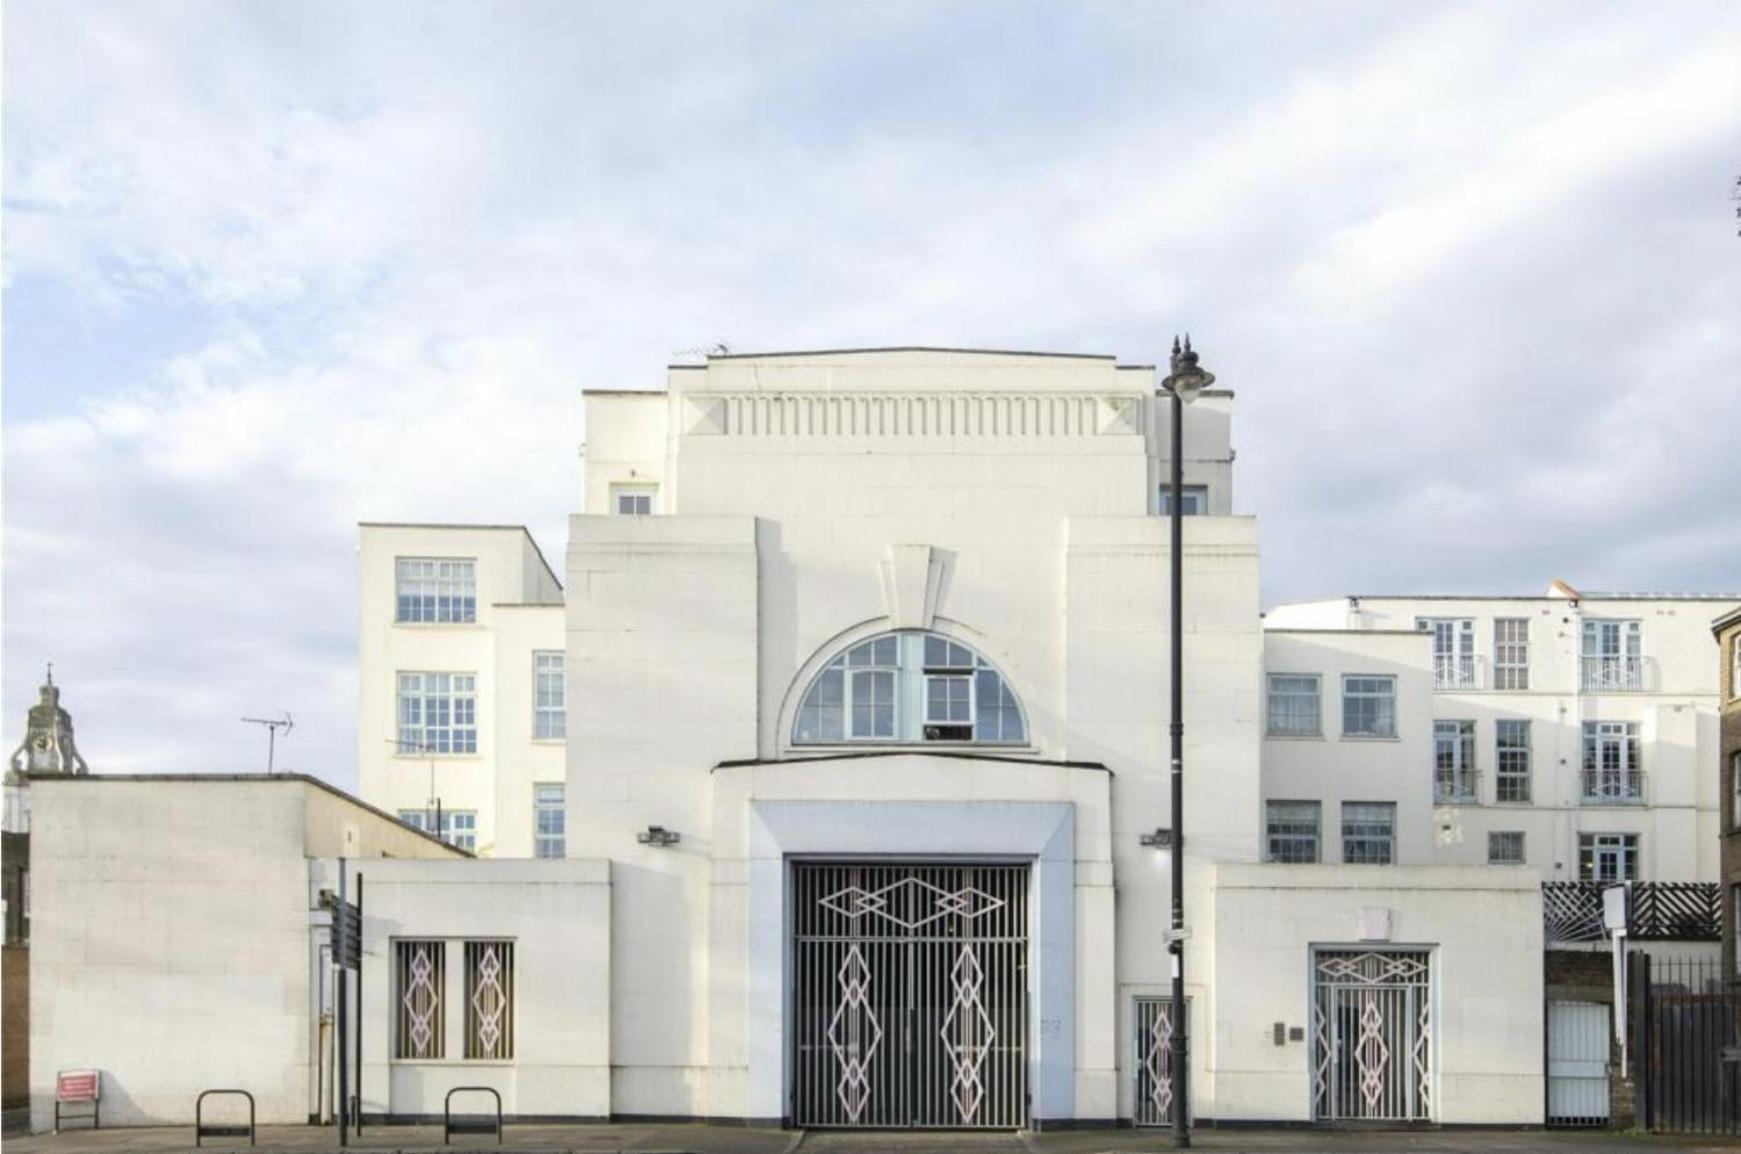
1613	674
1456	786
1655	911
1611	787
1451	672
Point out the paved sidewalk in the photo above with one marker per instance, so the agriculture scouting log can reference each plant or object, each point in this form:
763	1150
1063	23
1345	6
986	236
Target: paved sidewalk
696	1139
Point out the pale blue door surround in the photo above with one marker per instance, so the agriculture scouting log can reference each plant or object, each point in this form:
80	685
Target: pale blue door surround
1044	832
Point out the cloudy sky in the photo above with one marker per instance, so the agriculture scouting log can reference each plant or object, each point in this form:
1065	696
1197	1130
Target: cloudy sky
274	268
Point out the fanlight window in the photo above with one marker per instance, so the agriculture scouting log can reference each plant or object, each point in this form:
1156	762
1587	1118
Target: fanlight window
909	687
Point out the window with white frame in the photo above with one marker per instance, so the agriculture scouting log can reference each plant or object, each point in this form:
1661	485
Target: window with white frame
438	713
1193	500
1735	788
1511	759
1368	705
1454	761
1612	654
1505	847
1511	653
436	590
1613	774
633	500
549	686
1608	857
1453	650
549	821
909	686
1368	832
489	1001
1735	666
1294	705
1292	830
459	828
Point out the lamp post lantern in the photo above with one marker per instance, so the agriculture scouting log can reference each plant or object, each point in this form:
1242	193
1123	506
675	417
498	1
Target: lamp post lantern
1185	380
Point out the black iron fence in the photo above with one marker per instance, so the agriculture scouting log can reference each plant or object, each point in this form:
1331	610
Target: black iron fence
1655	911
1686	1023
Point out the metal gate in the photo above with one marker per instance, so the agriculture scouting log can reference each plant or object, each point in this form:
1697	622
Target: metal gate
1153	1035
910	999
1577	1064
1371	1035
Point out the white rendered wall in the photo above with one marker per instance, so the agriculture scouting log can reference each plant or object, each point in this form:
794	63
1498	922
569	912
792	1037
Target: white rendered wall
1483	926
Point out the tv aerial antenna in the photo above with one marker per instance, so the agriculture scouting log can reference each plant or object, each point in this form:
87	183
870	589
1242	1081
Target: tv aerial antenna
717	349
273	725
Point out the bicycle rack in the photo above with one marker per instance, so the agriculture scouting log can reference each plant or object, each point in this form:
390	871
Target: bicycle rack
201	1131
472	1125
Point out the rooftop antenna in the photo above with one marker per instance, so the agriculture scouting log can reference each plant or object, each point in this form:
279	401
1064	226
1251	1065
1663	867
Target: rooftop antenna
433	802
717	349
273	725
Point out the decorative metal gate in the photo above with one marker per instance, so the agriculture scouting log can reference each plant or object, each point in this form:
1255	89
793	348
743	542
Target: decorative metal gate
1578	1035
1371	1035
910	1001
1153	1035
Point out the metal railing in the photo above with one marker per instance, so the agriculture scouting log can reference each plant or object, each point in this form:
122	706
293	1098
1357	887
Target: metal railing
1456	786
1655	911
203	1129
1611	787
1613	674
1456	672
472	1123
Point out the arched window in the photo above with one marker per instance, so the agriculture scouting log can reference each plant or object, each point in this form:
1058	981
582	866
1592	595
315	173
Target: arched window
909	687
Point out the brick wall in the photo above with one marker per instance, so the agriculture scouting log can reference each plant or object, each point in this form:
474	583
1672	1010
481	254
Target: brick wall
1727	746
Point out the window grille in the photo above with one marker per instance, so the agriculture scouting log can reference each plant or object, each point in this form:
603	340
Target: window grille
438	713
1368	706
1608	857
419	976
1293	831
1511	653
909	687
433	590
1511	759
489	1000
1294	705
1368	832
1505	847
1454	761
549	821
549	684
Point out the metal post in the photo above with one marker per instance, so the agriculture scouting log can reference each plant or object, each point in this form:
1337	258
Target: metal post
1179	1053
344	1086
359	1042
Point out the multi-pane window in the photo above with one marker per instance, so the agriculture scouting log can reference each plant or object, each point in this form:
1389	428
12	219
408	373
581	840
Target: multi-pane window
1608	857
1368	706
549	821
419	982
1292	830
1368	832
1735	666
1612	655
549	683
1505	847
436	589
1454	761
1511	759
1453	650
1193	500
909	687
1511	653
1293	705
438	713
489	1001
1612	773
459	828
1735	788
633	500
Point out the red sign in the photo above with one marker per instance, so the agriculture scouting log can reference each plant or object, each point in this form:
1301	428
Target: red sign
76	1086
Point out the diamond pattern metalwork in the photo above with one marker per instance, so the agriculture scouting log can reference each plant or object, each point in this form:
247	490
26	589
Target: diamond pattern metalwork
968	1033
1158	1061
930	902
489	999
422	1000
854	1034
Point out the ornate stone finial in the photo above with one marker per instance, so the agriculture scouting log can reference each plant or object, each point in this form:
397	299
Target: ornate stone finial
48	736
1184	359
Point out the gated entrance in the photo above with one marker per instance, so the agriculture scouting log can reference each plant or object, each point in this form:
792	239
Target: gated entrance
910	995
1578	1064
1371	1035
1153	1034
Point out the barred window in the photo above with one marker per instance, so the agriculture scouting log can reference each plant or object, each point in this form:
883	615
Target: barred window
489	1001
1511	759
1505	847
1293	705
436	590
549	821
419	976
1293	831
438	713
1368	832
549	685
1511	653
1368	706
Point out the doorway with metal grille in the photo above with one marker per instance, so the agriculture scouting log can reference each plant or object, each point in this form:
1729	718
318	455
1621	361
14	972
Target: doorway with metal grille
1372	1035
910	998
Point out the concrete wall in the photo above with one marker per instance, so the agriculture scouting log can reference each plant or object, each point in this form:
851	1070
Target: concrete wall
1483	928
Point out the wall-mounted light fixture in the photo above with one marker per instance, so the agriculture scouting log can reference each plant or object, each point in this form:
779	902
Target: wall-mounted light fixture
658	835
1160	839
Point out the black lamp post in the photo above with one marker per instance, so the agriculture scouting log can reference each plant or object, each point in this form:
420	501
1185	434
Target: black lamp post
1184	382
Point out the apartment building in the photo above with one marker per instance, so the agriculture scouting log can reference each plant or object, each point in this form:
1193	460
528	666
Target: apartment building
1726	629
